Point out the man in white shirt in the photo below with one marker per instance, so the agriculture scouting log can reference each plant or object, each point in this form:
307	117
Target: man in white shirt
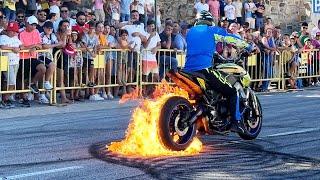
230	12
201	6
315	30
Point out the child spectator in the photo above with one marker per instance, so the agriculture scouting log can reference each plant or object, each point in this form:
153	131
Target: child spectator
149	60
91	42
11	42
75	65
122	61
303	34
98	10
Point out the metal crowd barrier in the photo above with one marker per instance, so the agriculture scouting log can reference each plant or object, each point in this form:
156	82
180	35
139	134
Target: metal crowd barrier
22	72
110	68
154	66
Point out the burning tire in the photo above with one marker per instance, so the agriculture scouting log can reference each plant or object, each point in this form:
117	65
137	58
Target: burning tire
173	129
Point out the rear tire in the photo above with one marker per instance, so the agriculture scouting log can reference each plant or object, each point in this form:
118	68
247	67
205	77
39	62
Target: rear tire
171	134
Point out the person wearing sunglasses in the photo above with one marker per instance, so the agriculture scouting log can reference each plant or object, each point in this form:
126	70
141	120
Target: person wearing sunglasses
20	18
303	34
42	18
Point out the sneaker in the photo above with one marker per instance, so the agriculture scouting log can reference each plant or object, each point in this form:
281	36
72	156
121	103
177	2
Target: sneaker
43	99
12	98
47	86
30	97
110	96
25	103
104	96
34	89
96	97
10	104
4	105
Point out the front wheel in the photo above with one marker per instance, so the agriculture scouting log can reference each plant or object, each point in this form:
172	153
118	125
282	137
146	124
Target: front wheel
173	131
252	119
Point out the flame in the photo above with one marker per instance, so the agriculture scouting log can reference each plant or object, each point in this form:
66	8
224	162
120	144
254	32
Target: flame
142	137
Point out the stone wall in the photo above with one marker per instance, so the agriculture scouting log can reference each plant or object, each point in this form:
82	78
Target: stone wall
286	13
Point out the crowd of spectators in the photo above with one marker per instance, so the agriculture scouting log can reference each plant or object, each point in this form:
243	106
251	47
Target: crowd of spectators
135	26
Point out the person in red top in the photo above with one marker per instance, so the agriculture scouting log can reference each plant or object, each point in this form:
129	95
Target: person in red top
81	26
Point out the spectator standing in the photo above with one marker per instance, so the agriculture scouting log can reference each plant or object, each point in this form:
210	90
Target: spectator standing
230	12
250	8
10	9
91	42
303	34
114	7
125	10
316	41
65	15
179	41
260	14
315	30
138	5
149	60
71	4
81	26
268	24
31	7
21	20
167	59
42	18
238	5
98	10
3	22
270	49
222	5
54	7
201	6
277	36
21	5
11	42
214	8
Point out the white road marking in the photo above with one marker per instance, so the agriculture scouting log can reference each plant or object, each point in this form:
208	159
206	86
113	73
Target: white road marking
42	172
293	132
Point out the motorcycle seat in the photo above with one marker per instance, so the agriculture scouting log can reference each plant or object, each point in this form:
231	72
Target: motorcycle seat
192	74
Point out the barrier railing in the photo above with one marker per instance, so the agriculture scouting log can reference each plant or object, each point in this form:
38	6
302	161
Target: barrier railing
154	66
109	68
112	69
18	70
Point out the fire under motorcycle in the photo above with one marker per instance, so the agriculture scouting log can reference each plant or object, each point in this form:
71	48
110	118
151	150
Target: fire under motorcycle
206	110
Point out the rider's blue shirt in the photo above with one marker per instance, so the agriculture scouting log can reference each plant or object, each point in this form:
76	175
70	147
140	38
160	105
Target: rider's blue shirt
201	45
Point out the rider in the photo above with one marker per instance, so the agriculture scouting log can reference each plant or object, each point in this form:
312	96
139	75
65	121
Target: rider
201	40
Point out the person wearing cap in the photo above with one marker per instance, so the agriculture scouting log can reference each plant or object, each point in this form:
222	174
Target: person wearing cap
31	40
303	34
10	41
49	41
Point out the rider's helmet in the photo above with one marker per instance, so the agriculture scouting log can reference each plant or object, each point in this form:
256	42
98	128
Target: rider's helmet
204	18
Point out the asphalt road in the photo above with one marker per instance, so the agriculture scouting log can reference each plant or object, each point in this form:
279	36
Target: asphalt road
69	143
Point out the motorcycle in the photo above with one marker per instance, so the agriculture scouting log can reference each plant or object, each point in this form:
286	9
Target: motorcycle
206	110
